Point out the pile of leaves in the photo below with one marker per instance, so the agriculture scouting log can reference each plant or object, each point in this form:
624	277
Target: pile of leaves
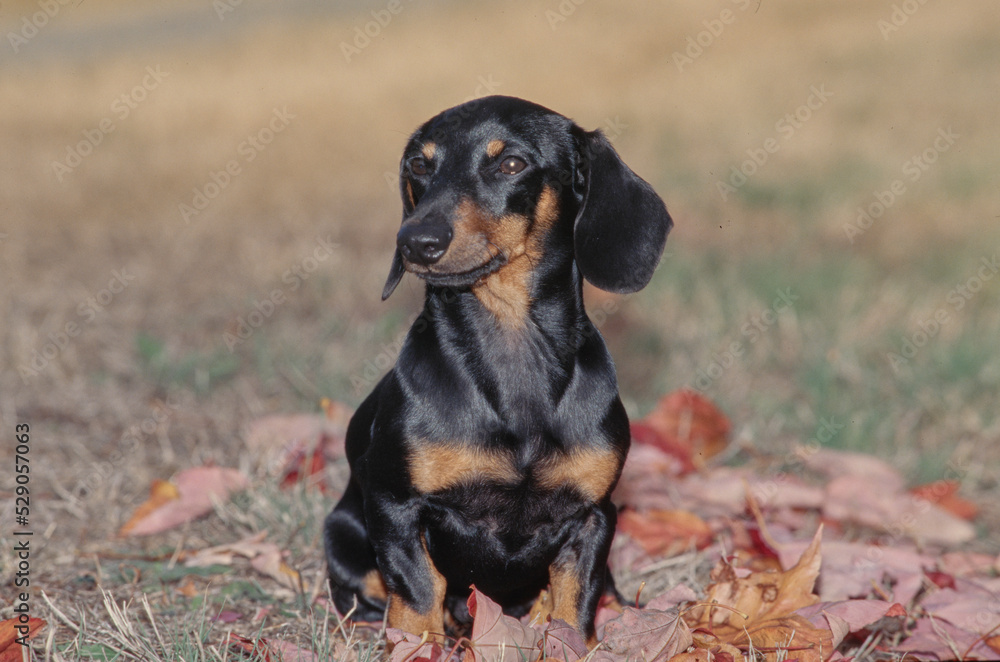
830	557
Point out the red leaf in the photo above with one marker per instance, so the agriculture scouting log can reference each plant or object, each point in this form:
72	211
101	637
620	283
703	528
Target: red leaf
943	493
940	579
666	532
687	425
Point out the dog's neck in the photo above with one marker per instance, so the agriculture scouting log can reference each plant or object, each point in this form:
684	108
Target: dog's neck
520	328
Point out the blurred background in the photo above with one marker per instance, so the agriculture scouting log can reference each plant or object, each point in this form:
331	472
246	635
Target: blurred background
198	205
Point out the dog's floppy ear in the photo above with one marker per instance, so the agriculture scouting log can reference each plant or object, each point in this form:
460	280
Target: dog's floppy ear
396	272
622	226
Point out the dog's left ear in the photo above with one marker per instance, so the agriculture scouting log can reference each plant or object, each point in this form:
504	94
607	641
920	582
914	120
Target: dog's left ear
396	272
622	226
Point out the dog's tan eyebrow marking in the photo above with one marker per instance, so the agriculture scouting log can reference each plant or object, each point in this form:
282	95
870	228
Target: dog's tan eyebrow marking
494	147
428	150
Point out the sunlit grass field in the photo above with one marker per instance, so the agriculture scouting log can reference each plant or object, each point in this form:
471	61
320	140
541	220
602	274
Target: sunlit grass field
832	170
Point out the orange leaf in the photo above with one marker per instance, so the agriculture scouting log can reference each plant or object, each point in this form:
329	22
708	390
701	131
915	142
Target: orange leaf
11	631
666	532
161	492
943	493
687	425
765	602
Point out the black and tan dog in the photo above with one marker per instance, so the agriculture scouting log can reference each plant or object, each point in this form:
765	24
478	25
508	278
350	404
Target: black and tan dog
488	454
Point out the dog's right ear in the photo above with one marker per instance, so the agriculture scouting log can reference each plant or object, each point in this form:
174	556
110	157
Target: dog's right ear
396	272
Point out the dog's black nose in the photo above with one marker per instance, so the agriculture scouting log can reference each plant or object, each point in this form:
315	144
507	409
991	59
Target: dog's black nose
424	244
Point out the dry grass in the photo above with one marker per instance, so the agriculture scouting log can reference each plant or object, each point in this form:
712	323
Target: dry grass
155	352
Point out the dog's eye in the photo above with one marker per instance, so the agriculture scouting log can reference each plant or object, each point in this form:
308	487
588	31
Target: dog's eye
418	166
512	165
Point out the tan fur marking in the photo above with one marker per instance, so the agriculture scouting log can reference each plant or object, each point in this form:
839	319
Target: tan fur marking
565	594
408	619
494	148
590	472
409	193
373	586
436	467
507	292
428	150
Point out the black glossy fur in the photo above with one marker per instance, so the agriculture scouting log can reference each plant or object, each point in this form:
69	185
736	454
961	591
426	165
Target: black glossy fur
488	454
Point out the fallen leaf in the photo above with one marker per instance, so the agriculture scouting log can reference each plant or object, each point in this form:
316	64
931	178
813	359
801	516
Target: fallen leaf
561	641
666	532
298	447
408	647
673	598
686	425
248	547
188	589
834	464
944	494
271	563
11	630
265	557
496	637
289	652
277	650
188	496
758	610
944	641
849	616
645	634
161	492
850	569
884	508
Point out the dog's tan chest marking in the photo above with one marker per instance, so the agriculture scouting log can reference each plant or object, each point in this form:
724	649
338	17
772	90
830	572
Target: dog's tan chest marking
435	467
591	472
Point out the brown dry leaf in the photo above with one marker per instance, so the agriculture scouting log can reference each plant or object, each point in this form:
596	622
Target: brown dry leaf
188	589
265	557
223	554
188	496
10	648
666	532
758	609
686	425
788	637
271	563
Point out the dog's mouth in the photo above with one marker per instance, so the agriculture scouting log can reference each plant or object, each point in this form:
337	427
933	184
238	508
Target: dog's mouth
465	278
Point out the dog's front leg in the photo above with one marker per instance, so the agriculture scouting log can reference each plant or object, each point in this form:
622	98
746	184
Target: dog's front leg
416	588
577	576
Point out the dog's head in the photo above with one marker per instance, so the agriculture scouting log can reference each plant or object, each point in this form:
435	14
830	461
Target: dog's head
487	185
